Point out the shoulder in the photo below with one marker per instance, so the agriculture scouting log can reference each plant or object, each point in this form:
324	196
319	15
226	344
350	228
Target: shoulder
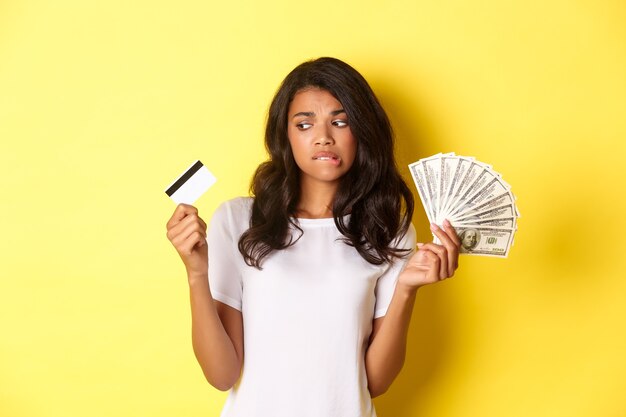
236	206
233	214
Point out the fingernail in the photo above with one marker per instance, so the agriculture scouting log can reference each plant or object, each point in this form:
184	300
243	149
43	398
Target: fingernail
419	245
447	222
434	227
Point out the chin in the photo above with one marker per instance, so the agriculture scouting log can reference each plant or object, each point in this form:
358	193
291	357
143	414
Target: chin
325	177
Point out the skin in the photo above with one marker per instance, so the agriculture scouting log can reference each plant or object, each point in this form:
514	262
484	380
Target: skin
216	329
315	124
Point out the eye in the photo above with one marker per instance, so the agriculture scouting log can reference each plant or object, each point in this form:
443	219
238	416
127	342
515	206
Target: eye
340	123
303	125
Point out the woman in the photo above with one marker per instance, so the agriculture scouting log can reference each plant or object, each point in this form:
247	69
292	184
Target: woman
319	266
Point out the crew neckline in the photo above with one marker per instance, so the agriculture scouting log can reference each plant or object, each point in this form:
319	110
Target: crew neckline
324	221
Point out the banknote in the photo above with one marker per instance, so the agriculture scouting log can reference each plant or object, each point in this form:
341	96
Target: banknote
469	175
499	212
471	207
449	165
417	172
457	175
507	222
431	167
484	182
472	196
485	241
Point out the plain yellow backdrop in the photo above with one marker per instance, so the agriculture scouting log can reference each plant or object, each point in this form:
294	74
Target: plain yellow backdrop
103	104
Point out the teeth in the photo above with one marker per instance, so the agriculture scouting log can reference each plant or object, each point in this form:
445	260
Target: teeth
324	158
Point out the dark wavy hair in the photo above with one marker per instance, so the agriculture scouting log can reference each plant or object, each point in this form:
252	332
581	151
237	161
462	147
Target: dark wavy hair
372	191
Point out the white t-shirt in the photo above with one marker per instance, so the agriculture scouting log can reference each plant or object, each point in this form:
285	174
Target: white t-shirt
307	318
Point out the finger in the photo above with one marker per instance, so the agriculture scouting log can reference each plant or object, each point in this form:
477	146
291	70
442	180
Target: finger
434	262
183	230
184	234
442	253
181	211
191	218
453	248
194	227
204	226
451	231
195	239
443	235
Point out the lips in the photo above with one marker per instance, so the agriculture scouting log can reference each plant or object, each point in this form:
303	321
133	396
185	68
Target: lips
326	156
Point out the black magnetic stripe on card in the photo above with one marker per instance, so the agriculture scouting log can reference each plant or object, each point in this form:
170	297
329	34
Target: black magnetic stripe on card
179	182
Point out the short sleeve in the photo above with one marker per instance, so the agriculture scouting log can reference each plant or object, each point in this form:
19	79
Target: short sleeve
386	283
224	258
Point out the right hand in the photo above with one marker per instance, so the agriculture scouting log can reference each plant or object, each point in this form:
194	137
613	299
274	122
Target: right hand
187	232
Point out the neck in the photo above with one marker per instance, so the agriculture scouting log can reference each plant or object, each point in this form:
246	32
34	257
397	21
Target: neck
316	199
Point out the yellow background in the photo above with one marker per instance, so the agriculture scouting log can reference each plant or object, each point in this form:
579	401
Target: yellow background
103	104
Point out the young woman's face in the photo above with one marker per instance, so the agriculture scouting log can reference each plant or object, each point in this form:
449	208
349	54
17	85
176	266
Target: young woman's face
320	136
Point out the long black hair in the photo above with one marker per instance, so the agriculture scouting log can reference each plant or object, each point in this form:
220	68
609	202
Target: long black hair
372	191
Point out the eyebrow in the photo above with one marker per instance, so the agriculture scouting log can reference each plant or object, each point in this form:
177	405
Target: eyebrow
311	114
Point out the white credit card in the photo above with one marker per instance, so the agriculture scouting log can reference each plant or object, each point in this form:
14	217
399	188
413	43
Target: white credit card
191	184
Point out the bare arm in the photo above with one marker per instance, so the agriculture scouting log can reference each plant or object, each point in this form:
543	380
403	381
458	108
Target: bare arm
217	329
217	336
387	350
385	356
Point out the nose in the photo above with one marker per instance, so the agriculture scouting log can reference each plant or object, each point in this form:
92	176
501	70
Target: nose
324	137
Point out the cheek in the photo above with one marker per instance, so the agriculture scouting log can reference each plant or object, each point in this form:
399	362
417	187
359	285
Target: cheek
296	148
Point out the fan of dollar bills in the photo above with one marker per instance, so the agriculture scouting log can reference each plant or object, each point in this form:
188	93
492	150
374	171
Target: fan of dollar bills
473	197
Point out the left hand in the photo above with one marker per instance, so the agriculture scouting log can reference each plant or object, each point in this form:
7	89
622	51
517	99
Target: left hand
432	262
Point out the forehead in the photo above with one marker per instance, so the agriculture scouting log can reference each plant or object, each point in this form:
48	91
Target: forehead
310	98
